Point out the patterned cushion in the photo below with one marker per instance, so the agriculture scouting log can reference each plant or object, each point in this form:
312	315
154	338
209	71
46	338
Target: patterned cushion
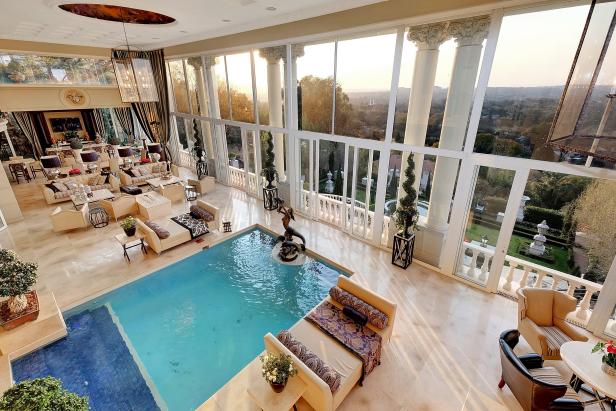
552	376
52	187
376	317
92	180
62	194
71	185
555	338
60	186
136	172
160	232
157	168
202	213
312	361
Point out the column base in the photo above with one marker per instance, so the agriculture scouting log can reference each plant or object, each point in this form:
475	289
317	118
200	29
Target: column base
429	244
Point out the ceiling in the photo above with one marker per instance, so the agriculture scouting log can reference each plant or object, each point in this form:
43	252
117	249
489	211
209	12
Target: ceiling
44	21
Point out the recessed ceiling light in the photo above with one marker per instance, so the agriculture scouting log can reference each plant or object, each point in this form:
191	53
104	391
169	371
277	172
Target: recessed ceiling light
155	38
226	21
270	8
183	31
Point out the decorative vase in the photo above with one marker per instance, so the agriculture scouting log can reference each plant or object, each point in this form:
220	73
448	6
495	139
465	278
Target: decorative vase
77	154
277	387
18	303
611	371
130	231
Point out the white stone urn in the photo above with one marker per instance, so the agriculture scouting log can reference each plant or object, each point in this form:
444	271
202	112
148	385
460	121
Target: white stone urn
115	150
77	154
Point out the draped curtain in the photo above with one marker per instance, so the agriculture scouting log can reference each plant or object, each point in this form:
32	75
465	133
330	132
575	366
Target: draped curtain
153	117
125	118
99	122
24	120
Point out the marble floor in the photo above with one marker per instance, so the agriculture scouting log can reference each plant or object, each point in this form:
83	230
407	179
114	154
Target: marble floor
443	354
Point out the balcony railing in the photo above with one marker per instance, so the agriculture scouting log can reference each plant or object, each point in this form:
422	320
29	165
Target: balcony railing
520	273
334	210
237	178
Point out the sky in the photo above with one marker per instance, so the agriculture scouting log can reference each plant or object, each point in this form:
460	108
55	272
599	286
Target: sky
534	49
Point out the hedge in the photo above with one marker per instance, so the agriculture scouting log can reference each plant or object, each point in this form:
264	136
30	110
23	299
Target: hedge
553	218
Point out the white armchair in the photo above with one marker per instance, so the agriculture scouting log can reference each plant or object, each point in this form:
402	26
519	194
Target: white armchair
120	206
203	186
63	220
174	192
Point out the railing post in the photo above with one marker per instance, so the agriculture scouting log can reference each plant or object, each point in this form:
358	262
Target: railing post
509	279
540	275
471	268
584	309
484	267
524	279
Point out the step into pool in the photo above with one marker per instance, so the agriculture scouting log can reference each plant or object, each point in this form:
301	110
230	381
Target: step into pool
171	339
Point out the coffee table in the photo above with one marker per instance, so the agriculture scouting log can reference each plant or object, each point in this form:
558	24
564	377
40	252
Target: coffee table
153	205
97	195
586	368
159	182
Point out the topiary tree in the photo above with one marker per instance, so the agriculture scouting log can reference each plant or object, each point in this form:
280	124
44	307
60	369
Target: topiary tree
269	171
16	278
406	212
42	394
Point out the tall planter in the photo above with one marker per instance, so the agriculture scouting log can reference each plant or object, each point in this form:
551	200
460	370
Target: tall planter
405	219
270	174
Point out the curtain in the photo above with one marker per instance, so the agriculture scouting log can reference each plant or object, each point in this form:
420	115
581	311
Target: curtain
153	117
99	122
125	118
24	120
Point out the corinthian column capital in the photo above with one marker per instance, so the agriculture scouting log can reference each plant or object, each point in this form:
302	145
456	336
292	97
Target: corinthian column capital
273	54
471	31
210	61
429	36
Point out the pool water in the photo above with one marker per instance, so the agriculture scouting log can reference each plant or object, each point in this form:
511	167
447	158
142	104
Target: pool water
187	328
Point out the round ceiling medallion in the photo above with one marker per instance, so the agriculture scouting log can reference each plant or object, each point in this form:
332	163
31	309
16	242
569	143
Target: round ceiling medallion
116	13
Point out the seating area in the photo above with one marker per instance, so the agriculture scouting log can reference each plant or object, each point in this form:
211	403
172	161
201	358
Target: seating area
308	206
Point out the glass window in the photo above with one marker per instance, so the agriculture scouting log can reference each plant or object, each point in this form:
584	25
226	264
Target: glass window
181	128
528	75
239	75
220	77
178	82
29	68
315	75
331	168
234	146
363	83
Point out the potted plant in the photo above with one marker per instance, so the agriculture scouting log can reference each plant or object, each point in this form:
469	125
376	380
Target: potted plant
277	369
269	172
608	361
16	278
129	225
405	219
42	394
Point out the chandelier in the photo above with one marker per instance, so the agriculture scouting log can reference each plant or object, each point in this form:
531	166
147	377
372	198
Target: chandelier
134	75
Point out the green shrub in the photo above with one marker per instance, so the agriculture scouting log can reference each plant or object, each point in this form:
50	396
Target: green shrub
553	218
42	394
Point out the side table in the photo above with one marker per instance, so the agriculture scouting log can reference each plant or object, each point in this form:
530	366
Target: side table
268	400
125	241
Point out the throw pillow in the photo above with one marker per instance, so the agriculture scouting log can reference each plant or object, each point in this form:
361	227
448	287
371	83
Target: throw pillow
312	361
60	186
71	185
136	172
102	179
354	315
93	180
129	172
160	232
201	213
375	316
52	187
156	168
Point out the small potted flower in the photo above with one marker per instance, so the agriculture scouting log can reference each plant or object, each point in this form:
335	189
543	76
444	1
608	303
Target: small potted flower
129	225
277	369
608	362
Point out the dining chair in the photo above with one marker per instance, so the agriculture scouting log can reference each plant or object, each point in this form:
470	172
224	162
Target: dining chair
19	170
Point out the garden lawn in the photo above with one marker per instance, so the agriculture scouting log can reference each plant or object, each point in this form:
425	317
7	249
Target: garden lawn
561	256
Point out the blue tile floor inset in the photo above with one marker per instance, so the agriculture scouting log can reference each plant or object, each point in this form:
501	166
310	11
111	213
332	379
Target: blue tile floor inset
92	360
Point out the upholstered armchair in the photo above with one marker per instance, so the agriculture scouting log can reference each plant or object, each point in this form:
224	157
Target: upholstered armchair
174	192
120	206
215	211
534	386
203	186
63	220
541	320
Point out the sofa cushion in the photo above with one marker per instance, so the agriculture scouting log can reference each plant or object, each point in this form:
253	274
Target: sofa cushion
60	186
92	180
62	194
160	232
71	185
375	316
52	187
136	172
102	179
331	377
201	213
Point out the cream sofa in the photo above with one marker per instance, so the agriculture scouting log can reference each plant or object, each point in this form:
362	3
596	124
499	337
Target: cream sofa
52	197
178	234
317	393
206	185
146	174
62	220
120	207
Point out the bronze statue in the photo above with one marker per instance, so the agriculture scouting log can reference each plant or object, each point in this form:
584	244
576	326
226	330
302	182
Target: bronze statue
289	250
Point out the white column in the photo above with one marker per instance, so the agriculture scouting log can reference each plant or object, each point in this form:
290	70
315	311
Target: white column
469	34
428	38
203	102
274	55
218	145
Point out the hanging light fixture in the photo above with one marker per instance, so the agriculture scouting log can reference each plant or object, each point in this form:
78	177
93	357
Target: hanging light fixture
134	75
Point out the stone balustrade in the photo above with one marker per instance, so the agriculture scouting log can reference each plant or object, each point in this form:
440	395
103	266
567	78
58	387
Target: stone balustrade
479	265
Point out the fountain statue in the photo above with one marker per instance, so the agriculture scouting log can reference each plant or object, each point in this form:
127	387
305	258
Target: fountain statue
537	247
289	249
